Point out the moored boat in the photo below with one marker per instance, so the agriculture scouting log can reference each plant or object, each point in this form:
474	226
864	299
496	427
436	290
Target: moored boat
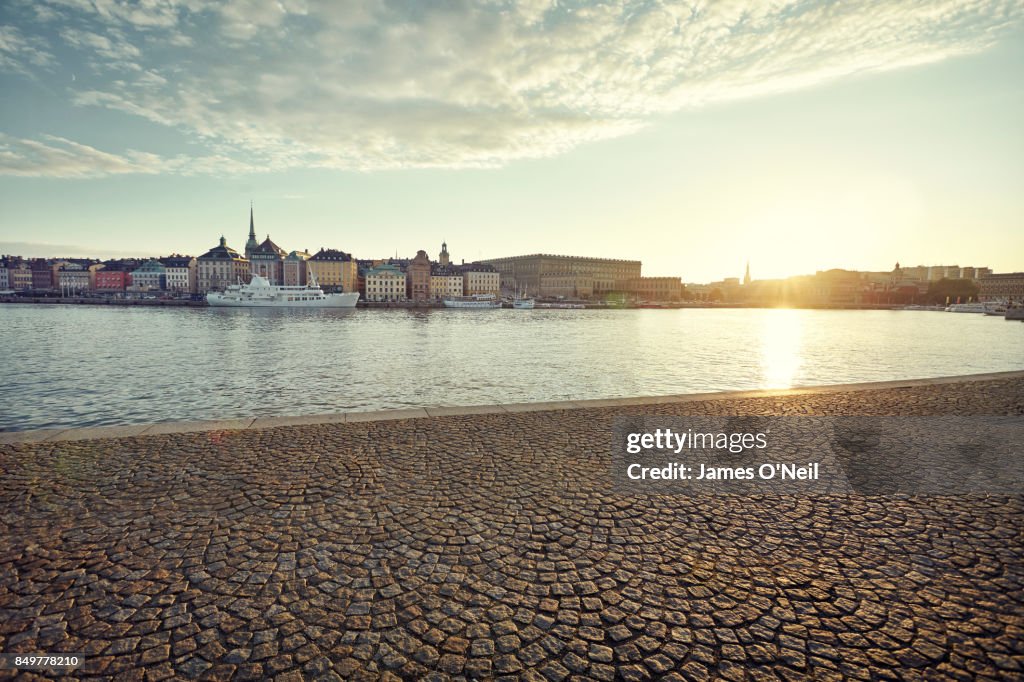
967	308
478	301
260	293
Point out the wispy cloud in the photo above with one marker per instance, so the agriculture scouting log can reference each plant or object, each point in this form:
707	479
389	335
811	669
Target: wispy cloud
277	84
23	54
58	157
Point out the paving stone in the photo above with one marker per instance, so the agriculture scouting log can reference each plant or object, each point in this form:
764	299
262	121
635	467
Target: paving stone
479	546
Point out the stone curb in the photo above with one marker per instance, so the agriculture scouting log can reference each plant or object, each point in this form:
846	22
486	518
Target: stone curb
130	430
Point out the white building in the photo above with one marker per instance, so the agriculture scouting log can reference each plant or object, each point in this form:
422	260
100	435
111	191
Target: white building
180	273
74	277
385	282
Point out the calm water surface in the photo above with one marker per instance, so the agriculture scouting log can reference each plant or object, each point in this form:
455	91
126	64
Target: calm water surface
83	365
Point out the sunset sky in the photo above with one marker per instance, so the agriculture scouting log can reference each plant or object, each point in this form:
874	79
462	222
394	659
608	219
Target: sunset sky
693	136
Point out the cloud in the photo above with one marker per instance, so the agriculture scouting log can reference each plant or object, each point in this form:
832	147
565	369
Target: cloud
22	54
41	250
57	157
278	84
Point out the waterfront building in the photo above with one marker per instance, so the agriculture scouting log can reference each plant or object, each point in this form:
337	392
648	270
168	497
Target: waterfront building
19	275
565	285
937	272
662	288
385	282
55	265
180	273
418	273
570	276
726	290
42	273
73	278
295	268
917	273
445	282
5	280
150	276
267	260
219	267
480	278
1008	286
334	270
115	276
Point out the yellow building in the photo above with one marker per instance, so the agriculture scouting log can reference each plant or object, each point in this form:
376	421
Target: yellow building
445	282
656	288
570	276
480	278
334	270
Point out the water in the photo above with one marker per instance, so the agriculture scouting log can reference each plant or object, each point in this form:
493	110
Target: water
85	366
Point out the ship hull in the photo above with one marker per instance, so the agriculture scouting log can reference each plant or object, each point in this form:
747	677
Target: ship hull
348	300
477	305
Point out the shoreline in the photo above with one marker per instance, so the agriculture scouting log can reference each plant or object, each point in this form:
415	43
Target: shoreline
376	305
58	434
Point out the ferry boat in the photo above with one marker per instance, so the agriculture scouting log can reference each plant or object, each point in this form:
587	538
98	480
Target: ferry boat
967	308
260	293
485	301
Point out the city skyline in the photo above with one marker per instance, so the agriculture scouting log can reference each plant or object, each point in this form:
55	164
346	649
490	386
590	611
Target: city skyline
804	138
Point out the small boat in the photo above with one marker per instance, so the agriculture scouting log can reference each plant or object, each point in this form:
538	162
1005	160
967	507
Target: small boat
967	308
260	293
562	306
521	302
477	301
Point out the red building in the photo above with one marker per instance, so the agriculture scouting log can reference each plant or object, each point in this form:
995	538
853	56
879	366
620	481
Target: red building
113	280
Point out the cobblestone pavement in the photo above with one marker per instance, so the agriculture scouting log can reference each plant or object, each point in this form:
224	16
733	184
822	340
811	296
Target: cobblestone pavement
492	546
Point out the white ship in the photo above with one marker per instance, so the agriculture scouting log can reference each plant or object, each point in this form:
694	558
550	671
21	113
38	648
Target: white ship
485	301
260	293
967	308
521	302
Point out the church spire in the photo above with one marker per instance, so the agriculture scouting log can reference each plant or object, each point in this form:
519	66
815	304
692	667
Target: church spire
746	275
252	244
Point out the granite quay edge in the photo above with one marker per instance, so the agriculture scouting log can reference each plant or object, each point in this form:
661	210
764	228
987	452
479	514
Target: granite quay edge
165	428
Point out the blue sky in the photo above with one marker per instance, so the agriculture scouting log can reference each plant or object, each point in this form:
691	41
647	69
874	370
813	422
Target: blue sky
693	136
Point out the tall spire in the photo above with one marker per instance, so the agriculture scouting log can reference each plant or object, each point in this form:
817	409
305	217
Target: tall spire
252	244
746	276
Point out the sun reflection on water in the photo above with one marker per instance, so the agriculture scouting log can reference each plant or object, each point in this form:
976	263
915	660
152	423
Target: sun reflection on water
781	345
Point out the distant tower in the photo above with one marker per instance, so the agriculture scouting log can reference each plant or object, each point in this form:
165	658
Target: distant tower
746	277
252	244
443	258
